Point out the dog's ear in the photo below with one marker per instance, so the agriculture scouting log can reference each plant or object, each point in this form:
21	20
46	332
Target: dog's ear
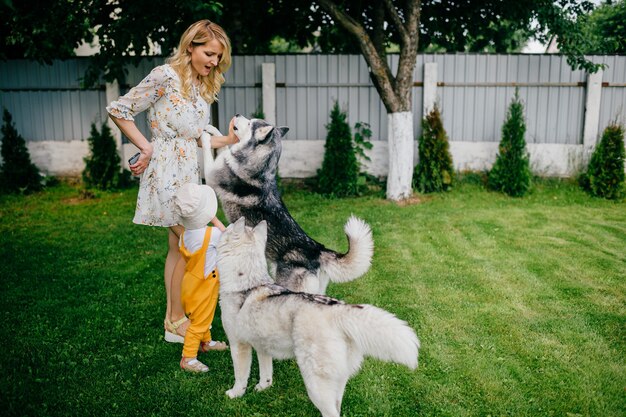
261	133
282	131
240	225
260	231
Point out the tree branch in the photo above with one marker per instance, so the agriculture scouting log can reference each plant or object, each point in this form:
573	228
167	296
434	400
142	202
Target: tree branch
408	53
397	21
344	19
384	80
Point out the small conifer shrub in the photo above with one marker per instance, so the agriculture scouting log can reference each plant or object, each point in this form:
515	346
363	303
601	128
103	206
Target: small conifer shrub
362	143
339	173
362	137
510	173
434	171
102	165
17	173
605	173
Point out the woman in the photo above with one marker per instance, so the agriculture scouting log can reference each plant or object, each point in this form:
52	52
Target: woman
177	96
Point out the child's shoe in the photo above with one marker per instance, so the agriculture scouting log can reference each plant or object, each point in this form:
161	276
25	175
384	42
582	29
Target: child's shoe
193	365
212	345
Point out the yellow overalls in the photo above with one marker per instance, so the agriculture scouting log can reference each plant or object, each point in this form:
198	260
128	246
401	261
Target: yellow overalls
199	296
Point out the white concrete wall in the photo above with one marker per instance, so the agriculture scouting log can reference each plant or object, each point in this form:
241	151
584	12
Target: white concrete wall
302	158
59	158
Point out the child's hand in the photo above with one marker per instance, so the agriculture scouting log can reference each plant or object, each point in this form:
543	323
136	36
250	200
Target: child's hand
217	223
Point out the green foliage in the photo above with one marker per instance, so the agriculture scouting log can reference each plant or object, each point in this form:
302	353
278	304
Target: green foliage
559	19
467	27
339	173
435	171
510	173
102	165
604	29
605	173
279	45
17	173
28	30
501	26
125	35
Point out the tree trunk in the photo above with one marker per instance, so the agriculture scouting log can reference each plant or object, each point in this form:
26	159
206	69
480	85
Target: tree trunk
395	92
400	134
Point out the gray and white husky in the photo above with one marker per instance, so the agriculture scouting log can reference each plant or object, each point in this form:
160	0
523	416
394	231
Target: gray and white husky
327	337
244	178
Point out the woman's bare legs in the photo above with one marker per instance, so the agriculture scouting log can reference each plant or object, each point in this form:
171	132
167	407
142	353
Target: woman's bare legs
174	272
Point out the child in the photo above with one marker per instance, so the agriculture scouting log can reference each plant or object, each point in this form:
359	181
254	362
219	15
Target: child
196	206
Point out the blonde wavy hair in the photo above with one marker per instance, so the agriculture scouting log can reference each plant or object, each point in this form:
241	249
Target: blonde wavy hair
198	34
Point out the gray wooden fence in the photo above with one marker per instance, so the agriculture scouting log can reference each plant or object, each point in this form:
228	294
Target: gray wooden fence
473	91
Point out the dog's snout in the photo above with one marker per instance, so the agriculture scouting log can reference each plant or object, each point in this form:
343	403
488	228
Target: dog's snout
237	115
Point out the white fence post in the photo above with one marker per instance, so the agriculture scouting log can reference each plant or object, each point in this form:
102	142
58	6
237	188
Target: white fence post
112	94
592	114
430	87
268	75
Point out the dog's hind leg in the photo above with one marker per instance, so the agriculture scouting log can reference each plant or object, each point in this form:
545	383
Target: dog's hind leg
242	360
265	371
341	388
325	393
325	380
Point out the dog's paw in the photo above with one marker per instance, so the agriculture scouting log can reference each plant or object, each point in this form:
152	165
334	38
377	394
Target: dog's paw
235	392
263	385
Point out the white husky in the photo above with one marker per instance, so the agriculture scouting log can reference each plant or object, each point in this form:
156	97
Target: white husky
327	337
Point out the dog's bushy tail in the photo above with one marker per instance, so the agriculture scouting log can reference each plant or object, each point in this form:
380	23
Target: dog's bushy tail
354	263
380	334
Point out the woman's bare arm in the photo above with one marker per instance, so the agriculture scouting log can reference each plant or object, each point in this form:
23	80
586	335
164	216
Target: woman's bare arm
220	141
129	128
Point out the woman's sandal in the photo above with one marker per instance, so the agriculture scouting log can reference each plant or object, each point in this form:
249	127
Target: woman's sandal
171	330
213	345
193	365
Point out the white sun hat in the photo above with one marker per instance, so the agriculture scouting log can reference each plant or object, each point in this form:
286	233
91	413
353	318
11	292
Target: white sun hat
196	205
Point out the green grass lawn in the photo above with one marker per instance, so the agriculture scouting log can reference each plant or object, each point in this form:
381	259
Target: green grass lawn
520	305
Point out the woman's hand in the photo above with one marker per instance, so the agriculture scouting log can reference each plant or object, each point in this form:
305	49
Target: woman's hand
129	128
231	138
144	159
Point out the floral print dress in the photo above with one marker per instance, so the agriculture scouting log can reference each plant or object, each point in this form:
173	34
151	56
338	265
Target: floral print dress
175	123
